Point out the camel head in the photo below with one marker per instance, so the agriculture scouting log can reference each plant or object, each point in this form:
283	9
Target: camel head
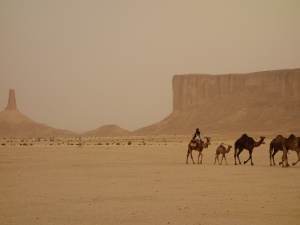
208	140
205	145
262	138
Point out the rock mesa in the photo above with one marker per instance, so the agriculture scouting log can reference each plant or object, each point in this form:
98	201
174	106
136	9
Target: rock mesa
261	102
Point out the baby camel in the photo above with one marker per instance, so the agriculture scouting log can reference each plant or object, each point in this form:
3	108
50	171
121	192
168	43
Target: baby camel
222	150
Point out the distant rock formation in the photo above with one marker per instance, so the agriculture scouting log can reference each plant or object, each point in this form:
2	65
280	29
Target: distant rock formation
107	131
266	102
189	91
11	105
14	124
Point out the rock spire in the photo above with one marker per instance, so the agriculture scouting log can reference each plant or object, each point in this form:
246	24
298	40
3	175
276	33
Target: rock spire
11	104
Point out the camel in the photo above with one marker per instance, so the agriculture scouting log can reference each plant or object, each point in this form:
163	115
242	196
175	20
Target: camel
222	150
275	146
291	143
193	146
248	143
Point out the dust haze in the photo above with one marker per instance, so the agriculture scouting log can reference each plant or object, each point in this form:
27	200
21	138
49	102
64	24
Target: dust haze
79	65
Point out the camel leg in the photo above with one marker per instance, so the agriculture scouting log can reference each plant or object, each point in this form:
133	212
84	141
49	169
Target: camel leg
273	155
298	153
235	150
199	157
225	159
284	162
238	155
270	153
287	161
221	159
284	157
192	157
216	158
250	158
200	154
187	157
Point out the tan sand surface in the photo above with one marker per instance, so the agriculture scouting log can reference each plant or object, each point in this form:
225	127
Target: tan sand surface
147	182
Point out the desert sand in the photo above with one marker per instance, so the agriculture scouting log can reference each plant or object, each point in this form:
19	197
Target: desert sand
108	181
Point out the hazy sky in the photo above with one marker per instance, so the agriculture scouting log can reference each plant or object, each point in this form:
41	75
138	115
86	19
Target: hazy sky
79	65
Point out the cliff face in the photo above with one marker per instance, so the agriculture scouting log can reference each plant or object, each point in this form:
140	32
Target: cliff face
189	91
261	102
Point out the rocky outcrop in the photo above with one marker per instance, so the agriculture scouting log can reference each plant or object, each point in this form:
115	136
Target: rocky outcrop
263	102
15	124
11	105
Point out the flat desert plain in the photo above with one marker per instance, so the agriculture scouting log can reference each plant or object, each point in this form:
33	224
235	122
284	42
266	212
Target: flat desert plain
108	181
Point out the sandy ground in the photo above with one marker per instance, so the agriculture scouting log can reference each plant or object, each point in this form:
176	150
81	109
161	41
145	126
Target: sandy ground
147	182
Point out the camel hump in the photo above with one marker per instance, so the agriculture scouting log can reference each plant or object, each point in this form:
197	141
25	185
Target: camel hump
292	136
221	148
250	140
244	136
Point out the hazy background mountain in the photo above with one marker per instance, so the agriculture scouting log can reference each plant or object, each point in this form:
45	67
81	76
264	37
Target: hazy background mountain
266	103
108	131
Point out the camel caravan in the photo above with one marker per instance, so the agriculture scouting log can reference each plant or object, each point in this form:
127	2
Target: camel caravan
245	142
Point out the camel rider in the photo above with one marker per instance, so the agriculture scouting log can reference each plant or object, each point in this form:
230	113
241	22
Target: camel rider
197	136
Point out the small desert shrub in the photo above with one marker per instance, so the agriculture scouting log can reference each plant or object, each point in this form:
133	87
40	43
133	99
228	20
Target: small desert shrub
129	142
